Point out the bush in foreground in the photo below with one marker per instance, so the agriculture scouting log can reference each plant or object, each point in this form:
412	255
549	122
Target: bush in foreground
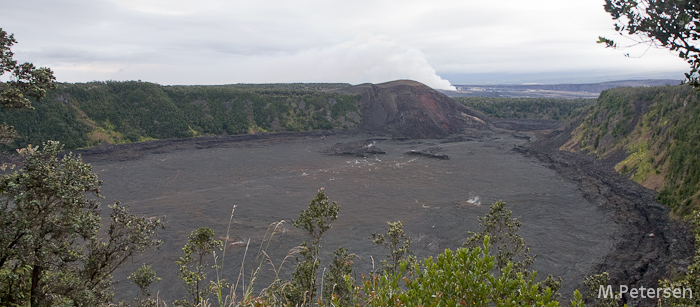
53	248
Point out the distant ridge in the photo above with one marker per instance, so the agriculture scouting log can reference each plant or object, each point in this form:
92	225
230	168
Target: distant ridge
568	91
84	115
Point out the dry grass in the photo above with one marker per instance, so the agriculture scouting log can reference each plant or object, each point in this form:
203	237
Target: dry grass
242	292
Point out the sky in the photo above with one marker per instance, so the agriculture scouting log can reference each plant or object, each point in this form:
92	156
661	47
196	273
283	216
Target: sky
438	42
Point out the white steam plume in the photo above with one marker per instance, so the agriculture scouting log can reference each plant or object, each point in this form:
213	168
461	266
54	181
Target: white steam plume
371	59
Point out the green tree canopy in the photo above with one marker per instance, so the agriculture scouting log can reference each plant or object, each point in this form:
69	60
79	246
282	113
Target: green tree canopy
315	221
672	24
26	81
201	243
53	248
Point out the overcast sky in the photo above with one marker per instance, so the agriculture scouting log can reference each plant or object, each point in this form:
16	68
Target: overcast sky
435	42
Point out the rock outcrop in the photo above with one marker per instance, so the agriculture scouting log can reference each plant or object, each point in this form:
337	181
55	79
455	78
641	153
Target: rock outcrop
358	148
411	109
432	152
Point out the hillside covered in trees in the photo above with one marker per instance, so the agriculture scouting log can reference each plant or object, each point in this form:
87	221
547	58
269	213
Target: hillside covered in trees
653	136
527	108
88	114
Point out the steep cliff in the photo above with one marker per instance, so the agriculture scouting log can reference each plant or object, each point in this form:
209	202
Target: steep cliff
652	135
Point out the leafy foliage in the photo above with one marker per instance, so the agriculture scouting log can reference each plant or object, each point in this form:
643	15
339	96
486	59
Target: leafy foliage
201	243
399	245
338	281
503	231
465	277
26	81
457	278
317	218
143	277
88	114
315	221
469	276
669	24
594	284
51	249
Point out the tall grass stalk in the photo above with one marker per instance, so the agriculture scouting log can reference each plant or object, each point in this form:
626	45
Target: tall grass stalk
241	273
262	255
246	289
223	257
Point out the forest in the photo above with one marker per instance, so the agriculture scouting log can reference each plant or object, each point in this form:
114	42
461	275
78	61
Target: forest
88	114
543	108
657	131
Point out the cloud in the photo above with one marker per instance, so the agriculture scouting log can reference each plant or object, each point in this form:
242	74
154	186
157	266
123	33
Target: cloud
367	58
220	41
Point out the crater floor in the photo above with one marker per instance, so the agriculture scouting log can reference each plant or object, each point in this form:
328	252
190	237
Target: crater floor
271	180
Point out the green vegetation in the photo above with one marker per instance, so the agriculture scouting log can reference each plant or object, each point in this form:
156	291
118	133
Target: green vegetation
143	277
53	248
26	81
201	244
468	276
593	283
671	24
48	218
338	277
457	278
315	221
689	279
503	231
399	245
83	115
659	130
542	108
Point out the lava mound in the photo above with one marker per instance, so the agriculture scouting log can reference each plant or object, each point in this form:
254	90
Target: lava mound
411	109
